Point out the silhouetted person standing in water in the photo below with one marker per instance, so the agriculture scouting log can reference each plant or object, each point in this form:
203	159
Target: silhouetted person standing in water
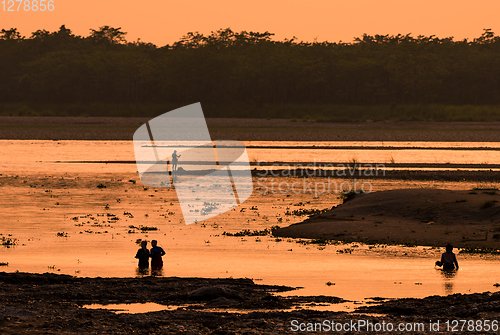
143	255
156	253
175	159
448	259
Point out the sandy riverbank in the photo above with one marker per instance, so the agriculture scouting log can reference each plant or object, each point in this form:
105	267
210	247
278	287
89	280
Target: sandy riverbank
430	217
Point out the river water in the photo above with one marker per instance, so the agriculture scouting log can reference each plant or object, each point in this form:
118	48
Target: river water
44	194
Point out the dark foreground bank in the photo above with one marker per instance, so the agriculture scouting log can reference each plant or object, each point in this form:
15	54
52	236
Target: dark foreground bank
52	304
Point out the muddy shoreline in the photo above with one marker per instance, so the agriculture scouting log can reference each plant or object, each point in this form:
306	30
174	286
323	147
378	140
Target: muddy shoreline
52	304
123	128
483	173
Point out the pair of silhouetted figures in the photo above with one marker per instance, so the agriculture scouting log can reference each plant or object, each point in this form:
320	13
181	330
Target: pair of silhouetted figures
143	254
448	259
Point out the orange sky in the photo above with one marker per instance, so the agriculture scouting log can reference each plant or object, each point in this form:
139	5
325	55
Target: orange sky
165	21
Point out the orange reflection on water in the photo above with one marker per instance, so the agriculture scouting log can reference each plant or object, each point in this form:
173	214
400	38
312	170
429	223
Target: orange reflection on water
41	199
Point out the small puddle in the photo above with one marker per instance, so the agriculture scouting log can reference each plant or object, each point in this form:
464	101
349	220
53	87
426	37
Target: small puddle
135	308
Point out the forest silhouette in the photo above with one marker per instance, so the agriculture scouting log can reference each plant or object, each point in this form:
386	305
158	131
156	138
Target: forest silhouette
248	74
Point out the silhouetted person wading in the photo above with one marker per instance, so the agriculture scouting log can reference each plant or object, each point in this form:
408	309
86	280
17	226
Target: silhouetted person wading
448	259
156	253
143	255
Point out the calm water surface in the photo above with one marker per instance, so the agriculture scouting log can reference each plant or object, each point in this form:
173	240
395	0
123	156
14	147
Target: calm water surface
41	156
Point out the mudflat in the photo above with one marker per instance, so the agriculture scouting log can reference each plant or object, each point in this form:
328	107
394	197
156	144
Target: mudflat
123	128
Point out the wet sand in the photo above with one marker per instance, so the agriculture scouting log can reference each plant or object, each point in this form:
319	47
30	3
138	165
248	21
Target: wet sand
52	304
121	128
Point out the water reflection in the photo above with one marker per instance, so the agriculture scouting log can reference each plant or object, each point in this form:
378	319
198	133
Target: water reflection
157	272
448	277
38	156
134	308
141	271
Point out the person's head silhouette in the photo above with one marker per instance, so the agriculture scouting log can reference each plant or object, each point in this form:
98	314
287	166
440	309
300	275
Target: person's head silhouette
449	248
154	243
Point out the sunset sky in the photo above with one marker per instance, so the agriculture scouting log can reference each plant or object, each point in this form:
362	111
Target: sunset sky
164	21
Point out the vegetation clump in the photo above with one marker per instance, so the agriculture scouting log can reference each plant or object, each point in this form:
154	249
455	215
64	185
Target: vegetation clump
489	251
303	211
346	196
141	228
248	232
8	241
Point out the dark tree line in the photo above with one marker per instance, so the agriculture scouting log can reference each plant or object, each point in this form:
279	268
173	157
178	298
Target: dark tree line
247	68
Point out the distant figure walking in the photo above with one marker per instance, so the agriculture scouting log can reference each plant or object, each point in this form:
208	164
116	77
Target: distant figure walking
156	253
448	259
143	255
175	159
